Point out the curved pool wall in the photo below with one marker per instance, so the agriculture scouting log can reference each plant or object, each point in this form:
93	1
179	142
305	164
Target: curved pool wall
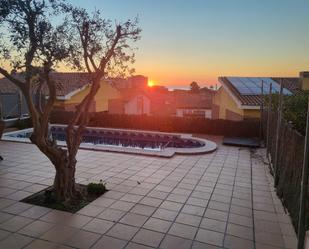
127	141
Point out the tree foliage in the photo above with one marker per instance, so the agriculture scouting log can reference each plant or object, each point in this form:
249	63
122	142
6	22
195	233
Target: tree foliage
194	87
294	109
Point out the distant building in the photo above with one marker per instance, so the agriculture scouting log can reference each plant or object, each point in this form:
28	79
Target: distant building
162	103
194	104
240	98
131	102
138	81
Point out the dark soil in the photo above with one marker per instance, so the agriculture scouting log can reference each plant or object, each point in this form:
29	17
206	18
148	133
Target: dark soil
45	198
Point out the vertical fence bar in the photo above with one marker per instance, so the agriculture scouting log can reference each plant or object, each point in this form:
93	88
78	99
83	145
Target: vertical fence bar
19	95
279	115
268	120
304	188
261	112
1	108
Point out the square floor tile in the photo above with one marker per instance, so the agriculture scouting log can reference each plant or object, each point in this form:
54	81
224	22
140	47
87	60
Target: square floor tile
122	205
107	242
210	237
216	214
188	219
148	238
149	201
82	239
16	223
36	228
240	220
17	208
131	198
35	212
170	205
103	201
157	225
165	214
269	239
4	234
5	216
132	219
59	234
173	242
240	231
184	231
121	231
143	209
41	244
15	241
214	225
194	210
237	243
111	214
133	245
200	245
98	226
91	210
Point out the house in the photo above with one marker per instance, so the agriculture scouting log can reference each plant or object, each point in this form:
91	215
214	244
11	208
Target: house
131	102
158	101
12	102
71	88
188	104
240	98
132	82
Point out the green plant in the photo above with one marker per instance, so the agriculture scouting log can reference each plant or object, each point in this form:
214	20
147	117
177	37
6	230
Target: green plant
23	124
294	109
96	188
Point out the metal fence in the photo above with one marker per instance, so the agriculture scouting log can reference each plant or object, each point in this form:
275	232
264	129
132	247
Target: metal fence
12	106
288	152
287	171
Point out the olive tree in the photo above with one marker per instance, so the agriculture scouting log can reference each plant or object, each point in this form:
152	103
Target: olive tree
36	36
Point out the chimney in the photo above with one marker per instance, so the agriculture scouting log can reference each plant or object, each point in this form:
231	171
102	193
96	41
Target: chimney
304	80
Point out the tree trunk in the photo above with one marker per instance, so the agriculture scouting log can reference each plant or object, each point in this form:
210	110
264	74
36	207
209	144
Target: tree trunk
64	187
64	182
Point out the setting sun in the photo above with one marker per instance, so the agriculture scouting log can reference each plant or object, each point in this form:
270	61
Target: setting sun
150	83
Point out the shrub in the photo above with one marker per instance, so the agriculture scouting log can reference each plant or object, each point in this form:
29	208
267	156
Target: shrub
23	124
294	109
96	188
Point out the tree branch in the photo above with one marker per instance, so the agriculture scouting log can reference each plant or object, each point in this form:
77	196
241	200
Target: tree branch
21	85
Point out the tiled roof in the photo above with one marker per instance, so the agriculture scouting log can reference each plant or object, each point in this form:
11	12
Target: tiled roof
69	82
193	101
66	83
292	84
7	87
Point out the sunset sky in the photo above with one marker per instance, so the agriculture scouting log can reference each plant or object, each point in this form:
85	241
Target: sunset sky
199	40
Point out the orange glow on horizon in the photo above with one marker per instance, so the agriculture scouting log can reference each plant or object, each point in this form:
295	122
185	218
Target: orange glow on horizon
150	83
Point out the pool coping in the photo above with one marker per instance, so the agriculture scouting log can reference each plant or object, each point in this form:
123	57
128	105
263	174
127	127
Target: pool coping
209	146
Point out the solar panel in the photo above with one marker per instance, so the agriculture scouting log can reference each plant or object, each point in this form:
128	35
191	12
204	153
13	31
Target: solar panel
252	85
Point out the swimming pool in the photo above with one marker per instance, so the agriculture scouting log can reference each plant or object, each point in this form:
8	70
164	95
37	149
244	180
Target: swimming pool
127	141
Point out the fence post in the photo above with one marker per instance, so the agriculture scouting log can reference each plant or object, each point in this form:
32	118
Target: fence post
19	95
279	115
1	108
261	112
268	119
304	188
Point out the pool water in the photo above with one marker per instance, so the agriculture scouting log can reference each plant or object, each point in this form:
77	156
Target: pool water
127	141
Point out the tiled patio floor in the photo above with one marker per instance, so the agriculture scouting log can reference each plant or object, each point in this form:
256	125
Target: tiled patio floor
218	200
